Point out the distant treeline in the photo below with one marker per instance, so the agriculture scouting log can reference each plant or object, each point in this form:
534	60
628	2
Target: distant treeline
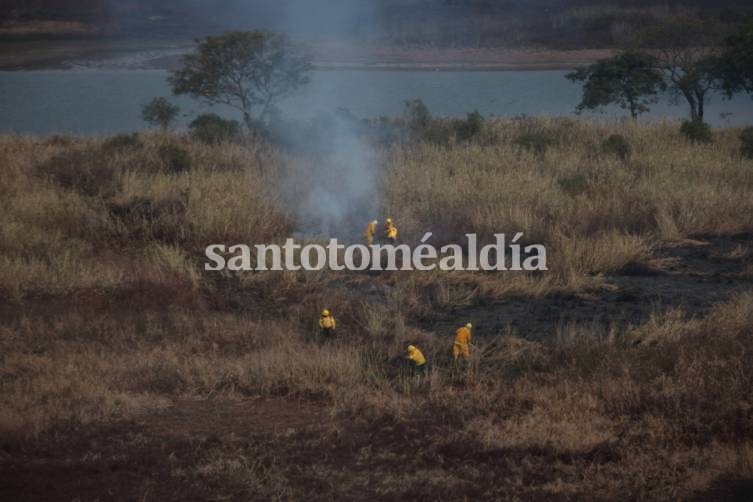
410	23
87	11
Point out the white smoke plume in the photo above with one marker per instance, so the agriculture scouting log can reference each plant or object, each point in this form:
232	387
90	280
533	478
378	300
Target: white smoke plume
340	192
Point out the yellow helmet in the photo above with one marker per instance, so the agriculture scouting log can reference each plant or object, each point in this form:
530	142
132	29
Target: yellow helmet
325	312
469	325
411	348
388	220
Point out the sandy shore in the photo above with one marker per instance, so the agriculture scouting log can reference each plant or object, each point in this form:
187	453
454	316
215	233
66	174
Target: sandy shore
165	54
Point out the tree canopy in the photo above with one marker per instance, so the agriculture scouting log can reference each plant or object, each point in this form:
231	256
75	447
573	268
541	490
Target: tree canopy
686	51
250	71
630	80
160	112
737	61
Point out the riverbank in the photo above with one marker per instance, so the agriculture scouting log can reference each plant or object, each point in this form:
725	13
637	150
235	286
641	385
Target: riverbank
165	54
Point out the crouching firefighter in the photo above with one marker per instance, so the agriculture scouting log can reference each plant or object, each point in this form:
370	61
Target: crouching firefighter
417	359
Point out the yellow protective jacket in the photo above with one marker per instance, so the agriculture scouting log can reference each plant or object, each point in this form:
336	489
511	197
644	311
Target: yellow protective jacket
327	322
417	357
391	232
462	345
370	231
463	336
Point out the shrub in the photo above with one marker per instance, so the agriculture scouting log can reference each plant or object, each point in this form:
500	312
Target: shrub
59	140
84	171
470	127
174	158
573	185
160	112
746	137
123	142
211	128
696	131
536	142
143	218
417	116
617	145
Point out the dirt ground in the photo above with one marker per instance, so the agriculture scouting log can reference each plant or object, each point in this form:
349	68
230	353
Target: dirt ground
690	275
173	455
138	460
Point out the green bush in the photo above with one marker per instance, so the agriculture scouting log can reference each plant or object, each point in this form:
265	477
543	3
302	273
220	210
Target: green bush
174	158
573	185
84	170
59	140
470	127
746	137
696	131
536	142
211	128
143	218
123	142
417	116
617	145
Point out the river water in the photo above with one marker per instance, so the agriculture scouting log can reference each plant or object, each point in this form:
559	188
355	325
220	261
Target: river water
108	101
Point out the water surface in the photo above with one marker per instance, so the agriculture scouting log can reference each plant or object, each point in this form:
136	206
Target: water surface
108	101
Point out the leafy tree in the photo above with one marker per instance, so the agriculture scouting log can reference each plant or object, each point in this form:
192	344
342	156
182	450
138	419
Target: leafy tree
684	49
417	115
737	62
250	71
160	112
630	79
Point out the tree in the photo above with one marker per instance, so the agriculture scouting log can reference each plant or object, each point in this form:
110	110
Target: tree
630	79
249	71
160	112
685	50
737	62
417	115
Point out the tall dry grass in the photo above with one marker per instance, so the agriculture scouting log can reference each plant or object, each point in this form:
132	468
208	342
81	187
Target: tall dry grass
107	310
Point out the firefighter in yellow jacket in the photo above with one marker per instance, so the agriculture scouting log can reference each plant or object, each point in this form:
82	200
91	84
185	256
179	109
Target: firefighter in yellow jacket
390	231
327	324
416	357
371	229
462	345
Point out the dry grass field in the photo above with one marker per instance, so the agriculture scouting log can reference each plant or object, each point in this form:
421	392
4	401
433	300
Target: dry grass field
625	371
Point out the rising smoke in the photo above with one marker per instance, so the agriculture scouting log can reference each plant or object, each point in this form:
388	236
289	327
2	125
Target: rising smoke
335	192
340	183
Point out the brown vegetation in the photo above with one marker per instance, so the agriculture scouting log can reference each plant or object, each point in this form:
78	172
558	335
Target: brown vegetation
124	366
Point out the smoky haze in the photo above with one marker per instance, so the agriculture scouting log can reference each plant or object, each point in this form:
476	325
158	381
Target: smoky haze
340	192
563	24
331	187
334	194
314	20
